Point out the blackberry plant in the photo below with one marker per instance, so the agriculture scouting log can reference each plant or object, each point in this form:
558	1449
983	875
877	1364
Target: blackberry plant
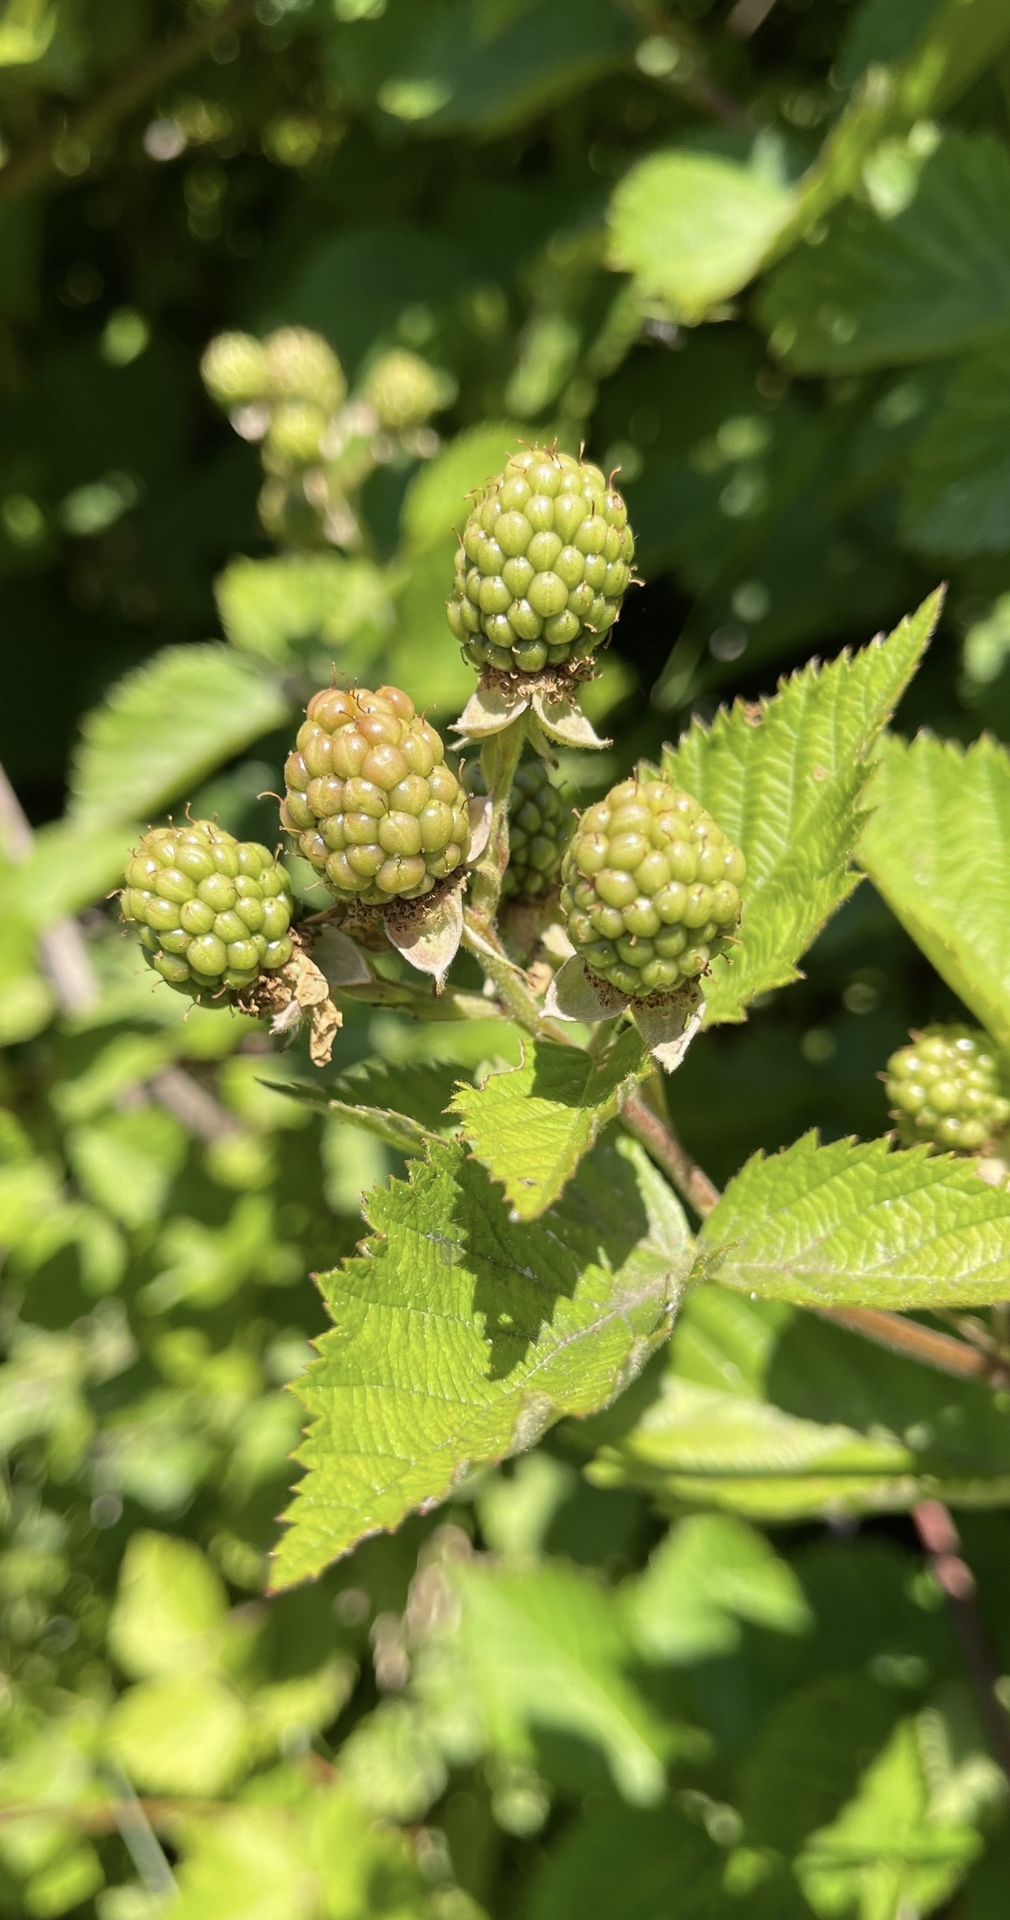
508	1168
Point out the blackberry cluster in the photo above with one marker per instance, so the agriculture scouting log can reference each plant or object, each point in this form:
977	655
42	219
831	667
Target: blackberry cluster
212	912
544	564
370	798
540	822
650	888
945	1089
293	364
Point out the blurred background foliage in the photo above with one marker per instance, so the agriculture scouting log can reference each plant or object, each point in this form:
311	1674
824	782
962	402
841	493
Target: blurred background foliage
756	254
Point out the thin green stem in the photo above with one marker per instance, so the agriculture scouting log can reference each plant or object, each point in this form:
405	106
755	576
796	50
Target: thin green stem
419	1002
499	760
510	984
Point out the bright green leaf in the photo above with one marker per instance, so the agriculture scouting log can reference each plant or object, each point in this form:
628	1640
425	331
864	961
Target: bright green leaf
544	1649
181	1733
531	1126
785	780
937	846
694	227
858	1223
461	1337
167	726
304	609
709	1574
319	1855
169	1610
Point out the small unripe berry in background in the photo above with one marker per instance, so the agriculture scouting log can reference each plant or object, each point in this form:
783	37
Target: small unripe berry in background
544	564
295	434
650	888
234	370
945	1089
540	826
301	365
212	913
404	390
371	800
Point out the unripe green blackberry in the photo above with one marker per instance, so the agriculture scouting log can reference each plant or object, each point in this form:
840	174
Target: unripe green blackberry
945	1089
301	365
544	564
540	823
404	390
234	370
650	888
295	434
211	911
371	799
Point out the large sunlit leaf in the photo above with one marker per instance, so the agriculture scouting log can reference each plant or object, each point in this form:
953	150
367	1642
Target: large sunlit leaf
767	1410
937	846
460	1337
531	1126
785	781
166	727
859	1223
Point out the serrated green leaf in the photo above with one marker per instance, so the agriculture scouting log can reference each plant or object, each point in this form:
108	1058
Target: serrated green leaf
304	607
693	228
956	496
922	270
531	1125
937	846
166	726
766	1410
543	1649
861	1224
785	780
461	1337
